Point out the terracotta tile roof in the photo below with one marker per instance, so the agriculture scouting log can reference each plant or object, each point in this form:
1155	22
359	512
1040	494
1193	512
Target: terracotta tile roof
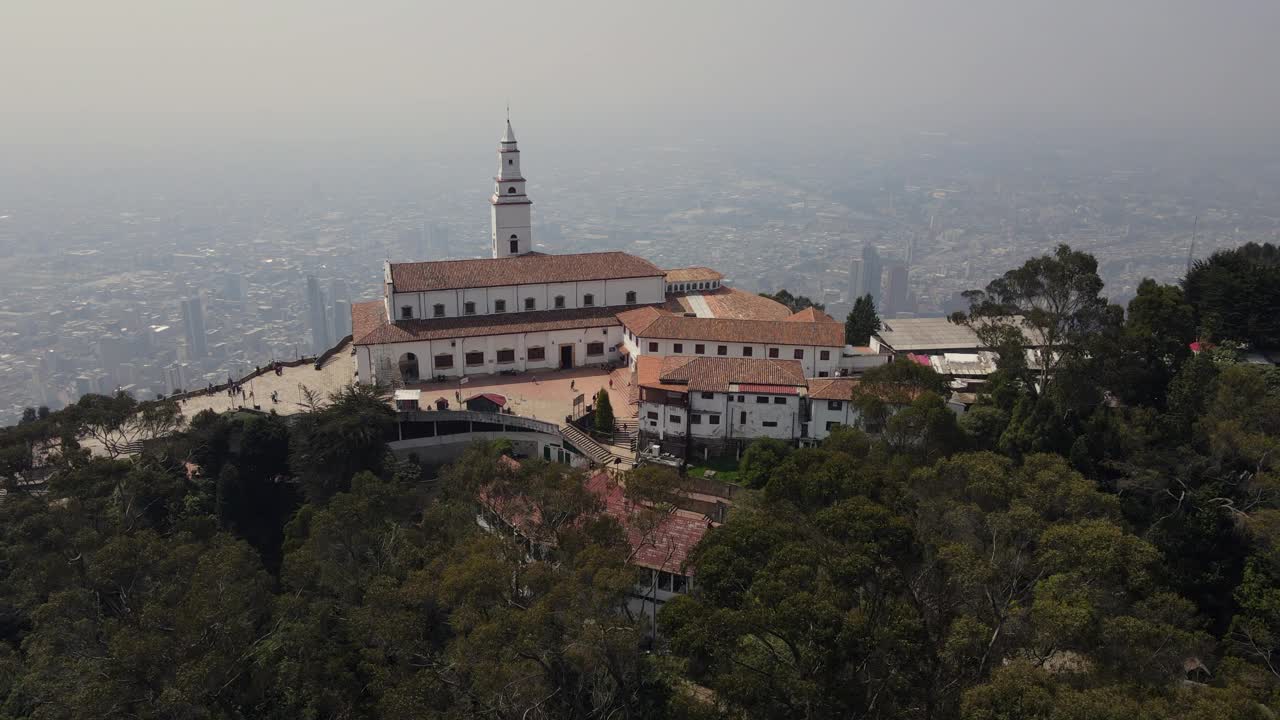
668	545
831	388
649	372
369	324
693	274
810	314
651	323
727	302
720	374
520	270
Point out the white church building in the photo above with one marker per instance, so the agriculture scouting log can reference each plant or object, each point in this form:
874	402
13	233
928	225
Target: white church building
524	310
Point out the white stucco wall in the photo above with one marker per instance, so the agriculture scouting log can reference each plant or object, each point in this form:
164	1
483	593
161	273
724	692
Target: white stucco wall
605	293
823	414
812	361
368	358
674	420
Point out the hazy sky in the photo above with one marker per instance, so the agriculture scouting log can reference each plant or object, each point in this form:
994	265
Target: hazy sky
123	70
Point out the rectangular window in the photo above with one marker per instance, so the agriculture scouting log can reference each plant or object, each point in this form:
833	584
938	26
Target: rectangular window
631	297
444	361
707	396
679	584
664	581
835	405
469	308
674	419
773	352
653	347
762	399
742	418
677	348
695	419
651	415
559	302
713	419
529	304
506	356
779	400
798	354
824	355
769	423
832	425
537	353
475	358
742	398
595	348
588	300
824	373
746	351
437	310
406	312
499	306
699	349
722	349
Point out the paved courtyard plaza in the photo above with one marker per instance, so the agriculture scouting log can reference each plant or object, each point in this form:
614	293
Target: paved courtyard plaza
546	395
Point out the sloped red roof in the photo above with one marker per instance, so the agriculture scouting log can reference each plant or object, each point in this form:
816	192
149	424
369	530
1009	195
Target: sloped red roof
831	388
668	546
528	269
809	314
495	398
716	374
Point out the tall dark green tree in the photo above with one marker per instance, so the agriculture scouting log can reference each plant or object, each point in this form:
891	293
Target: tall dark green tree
862	322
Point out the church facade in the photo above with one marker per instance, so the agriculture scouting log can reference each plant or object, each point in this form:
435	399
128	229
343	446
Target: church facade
521	310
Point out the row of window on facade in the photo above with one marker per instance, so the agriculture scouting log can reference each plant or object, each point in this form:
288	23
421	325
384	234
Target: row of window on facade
669	581
712	419
747	351
500	306
502	357
689	286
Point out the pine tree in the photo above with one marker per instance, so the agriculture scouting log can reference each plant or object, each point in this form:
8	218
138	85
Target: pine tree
604	412
862	321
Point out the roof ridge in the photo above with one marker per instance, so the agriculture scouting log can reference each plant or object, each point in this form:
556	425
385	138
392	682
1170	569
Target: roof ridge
516	257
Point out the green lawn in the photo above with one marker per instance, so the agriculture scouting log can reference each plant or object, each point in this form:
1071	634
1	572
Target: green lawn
726	468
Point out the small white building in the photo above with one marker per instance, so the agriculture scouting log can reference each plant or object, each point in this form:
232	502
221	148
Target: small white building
830	405
715	402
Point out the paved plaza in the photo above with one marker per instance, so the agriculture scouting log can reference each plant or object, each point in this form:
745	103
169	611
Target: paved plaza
546	395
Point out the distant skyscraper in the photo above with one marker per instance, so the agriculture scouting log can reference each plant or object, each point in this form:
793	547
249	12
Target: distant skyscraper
872	267
319	322
855	279
898	281
341	319
193	326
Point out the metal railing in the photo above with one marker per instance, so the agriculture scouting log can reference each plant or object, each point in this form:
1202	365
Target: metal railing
512	421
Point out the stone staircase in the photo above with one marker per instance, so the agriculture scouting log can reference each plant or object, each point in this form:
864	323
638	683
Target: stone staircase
604	455
625	432
587	445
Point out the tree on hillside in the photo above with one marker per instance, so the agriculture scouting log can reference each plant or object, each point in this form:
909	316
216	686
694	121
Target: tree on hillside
604	412
1052	302
795	303
862	322
1236	293
882	390
330	445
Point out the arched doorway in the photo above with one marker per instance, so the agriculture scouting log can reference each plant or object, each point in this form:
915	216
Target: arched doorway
409	367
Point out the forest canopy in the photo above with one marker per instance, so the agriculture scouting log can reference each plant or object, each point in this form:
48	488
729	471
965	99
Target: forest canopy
1095	542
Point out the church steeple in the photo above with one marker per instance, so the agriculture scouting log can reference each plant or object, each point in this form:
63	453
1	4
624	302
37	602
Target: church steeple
510	205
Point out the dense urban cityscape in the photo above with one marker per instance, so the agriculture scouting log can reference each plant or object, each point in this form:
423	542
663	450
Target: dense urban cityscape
157	288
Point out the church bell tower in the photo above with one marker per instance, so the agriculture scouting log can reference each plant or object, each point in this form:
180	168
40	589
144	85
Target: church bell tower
510	219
